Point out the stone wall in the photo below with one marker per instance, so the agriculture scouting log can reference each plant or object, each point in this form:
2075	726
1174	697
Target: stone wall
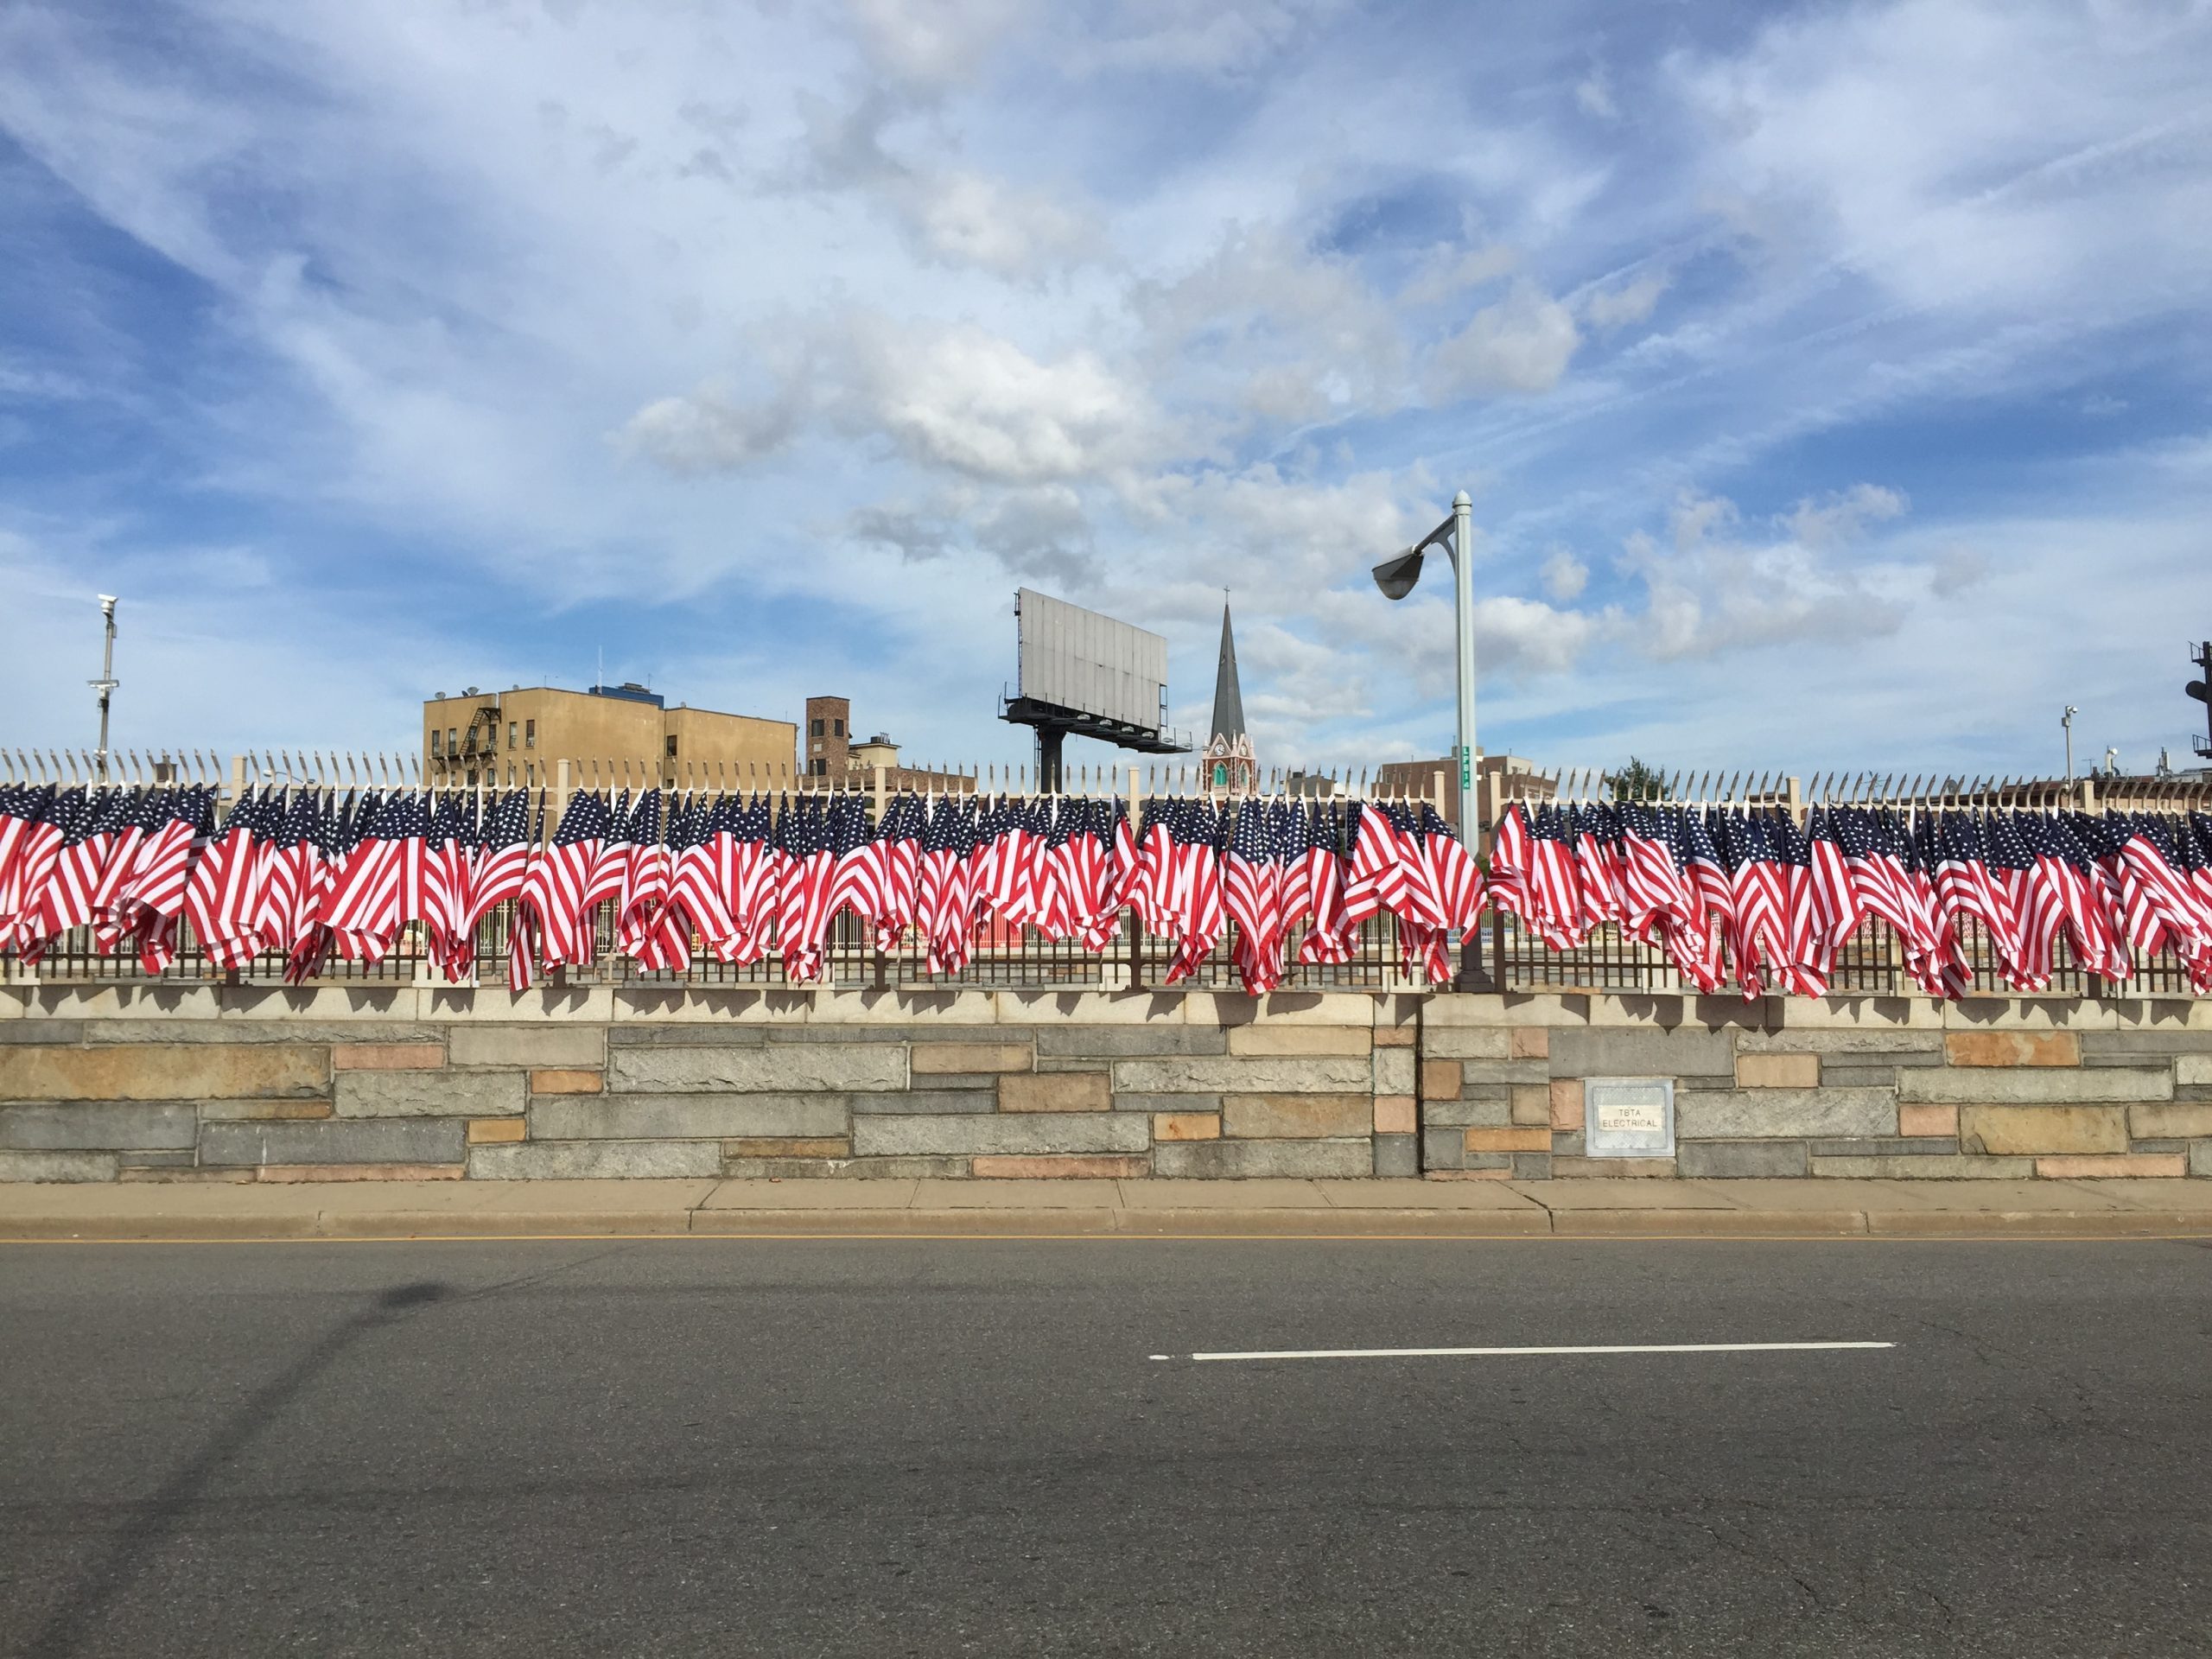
1880	1087
418	1082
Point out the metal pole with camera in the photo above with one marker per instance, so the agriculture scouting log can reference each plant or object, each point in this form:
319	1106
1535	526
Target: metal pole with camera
1396	577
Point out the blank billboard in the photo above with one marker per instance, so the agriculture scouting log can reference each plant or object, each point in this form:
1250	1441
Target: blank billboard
1078	659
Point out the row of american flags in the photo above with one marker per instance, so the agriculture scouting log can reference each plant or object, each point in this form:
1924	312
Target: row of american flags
320	876
1764	900
1759	900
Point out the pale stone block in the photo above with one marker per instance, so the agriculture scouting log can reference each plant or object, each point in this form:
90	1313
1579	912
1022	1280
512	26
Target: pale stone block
336	1003
1117	1042
566	1083
2157	1164
1439	1080
1686	1051
1778	1072
335	1140
595	1160
1279	1008
1096	1167
830	1067
1000	1133
1731	1114
1925	1167
1532	1104
1259	1159
496	1131
155	1001
2030	1014
386	1057
2012	1048
1385	1036
2195	1070
2183	1120
758	1007
1395	1114
942	1058
1275	1118
2027	1086
320	1174
1512	1008
1530	1043
429	1094
1566	1108
57	1165
1045	1009
528	1047
578	1005
1056	1091
684	1117
1187	1126
1271	1038
949	1008
1928	1120
1881	1045
94	1126
135	1071
2002	1130
1475	1042
1313	1074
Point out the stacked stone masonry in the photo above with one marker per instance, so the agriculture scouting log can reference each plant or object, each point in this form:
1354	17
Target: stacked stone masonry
424	1083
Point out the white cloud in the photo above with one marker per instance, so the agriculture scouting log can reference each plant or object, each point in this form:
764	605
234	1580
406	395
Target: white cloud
1521	344
1565	577
1842	517
934	43
1632	302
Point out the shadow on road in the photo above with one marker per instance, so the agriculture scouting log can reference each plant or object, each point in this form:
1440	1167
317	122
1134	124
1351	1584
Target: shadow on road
65	1630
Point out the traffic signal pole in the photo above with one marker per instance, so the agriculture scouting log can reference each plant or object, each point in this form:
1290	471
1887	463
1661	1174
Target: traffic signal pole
2202	691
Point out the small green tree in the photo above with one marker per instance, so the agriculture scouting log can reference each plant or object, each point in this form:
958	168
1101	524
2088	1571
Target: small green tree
1637	782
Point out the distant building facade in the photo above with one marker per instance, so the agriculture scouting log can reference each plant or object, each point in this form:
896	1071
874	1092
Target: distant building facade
520	736
835	755
1498	778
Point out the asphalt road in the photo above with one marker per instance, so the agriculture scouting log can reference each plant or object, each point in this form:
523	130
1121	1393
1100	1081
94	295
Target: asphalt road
803	1447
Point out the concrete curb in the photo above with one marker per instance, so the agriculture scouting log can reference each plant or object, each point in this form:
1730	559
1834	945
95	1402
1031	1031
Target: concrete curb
1087	1221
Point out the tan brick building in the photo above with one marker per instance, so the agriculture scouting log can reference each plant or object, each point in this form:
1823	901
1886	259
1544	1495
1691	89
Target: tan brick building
520	736
1498	778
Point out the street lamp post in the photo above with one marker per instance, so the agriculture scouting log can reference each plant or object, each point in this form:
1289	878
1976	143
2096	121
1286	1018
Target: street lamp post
106	684
1397	576
2067	720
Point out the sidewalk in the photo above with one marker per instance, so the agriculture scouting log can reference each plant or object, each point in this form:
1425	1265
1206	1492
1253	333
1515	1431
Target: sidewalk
1131	1210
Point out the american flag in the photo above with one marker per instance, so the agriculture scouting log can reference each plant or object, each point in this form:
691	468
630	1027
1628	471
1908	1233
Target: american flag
699	844
1654	895
1807	958
747	865
802	902
554	893
63	899
22	809
944	903
899	840
1454	878
1252	888
143	813
36	851
644	879
857	875
1381	863
1194	902
2159	904
1329	932
1594	834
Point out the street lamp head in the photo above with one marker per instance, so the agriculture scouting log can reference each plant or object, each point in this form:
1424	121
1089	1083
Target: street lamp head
1396	577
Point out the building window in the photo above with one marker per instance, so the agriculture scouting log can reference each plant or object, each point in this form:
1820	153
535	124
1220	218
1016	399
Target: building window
511	733
671	746
453	740
529	733
815	730
836	728
821	767
472	776
437	741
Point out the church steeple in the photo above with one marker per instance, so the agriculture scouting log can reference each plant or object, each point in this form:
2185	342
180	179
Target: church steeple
1228	695
1230	766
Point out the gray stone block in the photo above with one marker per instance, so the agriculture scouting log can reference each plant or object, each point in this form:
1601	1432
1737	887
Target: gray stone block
686	1034
683	1117
1836	1075
1751	1113
333	1140
1893	1145
93	1126
57	1165
1957	1167
904	1169
1331	1074
1249	1160
1479	1073
430	1094
60	1032
1489	1113
1569	1143
563	1161
246	1032
1167	1102
1607	1051
1095	1041
1397	1156
985	1099
783	1169
861	1034
2200	1157
1709	1159
1532	1166
2158	1146
1394	1071
174	1159
2140	1047
2035	1085
1903	1046
1001	1133
545	1046
1062	1063
1442	1148
775	1068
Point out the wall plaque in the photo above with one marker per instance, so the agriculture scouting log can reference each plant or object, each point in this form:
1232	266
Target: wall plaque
1628	1117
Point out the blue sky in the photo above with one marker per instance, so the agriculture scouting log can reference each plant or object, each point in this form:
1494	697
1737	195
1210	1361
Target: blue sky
1833	383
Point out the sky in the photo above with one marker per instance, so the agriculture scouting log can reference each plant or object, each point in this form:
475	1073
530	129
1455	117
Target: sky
1832	383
